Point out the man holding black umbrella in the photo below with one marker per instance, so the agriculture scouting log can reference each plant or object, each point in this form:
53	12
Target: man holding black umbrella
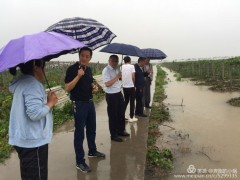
115	100
79	82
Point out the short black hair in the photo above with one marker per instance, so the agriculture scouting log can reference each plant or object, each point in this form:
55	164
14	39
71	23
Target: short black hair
141	59
113	57
127	59
86	49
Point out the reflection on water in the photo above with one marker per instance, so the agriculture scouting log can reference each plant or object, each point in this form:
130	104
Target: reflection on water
94	164
212	124
124	164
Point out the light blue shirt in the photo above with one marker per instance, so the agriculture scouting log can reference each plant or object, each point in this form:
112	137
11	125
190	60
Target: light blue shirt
108	74
30	118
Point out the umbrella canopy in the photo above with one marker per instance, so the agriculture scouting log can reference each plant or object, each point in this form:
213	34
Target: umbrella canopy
124	49
43	45
89	31
154	53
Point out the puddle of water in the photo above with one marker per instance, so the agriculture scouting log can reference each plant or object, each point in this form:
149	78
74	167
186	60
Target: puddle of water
211	124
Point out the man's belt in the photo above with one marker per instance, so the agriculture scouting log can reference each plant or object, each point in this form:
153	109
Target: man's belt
87	101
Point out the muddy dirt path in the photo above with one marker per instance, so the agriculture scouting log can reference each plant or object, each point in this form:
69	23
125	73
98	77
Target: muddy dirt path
124	161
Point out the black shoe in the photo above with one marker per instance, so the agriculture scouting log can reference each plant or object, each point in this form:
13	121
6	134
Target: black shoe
142	115
83	167
117	139
96	154
124	133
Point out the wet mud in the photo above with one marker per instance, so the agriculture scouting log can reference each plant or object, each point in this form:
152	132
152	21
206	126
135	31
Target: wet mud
204	131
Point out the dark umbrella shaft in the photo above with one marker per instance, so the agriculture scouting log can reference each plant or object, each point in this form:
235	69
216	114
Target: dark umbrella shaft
46	79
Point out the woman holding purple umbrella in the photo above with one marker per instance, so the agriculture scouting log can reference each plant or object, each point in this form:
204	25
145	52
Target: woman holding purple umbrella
31	124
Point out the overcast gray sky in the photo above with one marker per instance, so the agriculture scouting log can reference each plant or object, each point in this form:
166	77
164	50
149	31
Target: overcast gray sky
180	28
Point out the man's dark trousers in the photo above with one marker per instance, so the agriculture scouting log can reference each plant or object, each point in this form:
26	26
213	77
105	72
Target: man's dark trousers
116	113
139	103
129	94
84	115
147	92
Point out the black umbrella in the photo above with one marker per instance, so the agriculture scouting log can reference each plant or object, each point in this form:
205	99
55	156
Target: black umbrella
154	53
124	49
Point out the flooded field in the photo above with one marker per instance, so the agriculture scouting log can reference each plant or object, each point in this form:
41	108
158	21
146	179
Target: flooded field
205	132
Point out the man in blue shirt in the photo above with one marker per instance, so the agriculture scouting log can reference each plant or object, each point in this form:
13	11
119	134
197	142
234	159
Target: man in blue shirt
79	82
115	100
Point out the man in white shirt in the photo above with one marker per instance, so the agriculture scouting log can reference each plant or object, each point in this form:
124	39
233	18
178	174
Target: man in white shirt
115	100
128	78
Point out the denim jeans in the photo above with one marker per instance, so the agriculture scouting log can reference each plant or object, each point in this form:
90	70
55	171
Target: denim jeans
84	116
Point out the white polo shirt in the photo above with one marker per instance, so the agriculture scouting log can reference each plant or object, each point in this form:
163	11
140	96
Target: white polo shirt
127	71
108	74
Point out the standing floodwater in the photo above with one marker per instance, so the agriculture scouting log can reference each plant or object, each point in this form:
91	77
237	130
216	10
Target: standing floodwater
206	134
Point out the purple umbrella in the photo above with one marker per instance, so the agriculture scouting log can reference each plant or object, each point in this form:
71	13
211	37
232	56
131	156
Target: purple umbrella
39	46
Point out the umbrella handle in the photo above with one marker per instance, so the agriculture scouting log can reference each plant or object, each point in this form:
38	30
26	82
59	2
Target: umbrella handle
75	32
120	67
46	79
76	39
